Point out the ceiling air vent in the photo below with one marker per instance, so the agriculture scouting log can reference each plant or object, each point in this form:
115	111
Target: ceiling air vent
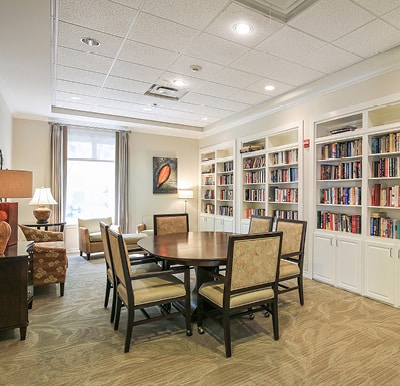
166	92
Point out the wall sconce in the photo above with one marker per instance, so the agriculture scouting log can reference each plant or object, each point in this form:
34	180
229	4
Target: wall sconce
14	184
42	197
185	194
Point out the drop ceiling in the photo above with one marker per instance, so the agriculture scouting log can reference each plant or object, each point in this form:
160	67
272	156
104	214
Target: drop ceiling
149	44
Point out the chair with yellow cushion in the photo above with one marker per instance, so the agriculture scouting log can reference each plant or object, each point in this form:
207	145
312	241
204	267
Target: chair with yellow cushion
138	291
292	257
250	282
261	224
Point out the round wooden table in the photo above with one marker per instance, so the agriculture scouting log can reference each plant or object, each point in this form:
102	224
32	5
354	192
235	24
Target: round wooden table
201	249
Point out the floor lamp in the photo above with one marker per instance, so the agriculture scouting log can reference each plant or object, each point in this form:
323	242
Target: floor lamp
14	184
185	194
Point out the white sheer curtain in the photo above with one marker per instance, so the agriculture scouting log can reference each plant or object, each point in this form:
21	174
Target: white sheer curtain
59	169
121	179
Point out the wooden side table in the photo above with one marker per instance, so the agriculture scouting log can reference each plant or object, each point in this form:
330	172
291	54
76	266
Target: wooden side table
47	225
16	287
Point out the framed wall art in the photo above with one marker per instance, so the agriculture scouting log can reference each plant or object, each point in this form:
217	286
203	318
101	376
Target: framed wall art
165	175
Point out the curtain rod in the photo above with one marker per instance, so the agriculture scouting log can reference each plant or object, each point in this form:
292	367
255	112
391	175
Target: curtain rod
80	126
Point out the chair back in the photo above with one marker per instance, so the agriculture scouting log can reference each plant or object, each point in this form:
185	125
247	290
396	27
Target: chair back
106	243
294	238
165	224
120	261
260	224
252	261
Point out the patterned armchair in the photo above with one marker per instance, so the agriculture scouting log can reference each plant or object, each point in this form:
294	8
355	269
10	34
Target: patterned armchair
50	260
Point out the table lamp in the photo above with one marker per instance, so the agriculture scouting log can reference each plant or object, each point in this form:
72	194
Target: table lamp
14	184
42	197
185	194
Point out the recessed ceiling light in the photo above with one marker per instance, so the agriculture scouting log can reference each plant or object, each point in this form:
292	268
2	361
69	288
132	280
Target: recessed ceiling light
269	87
146	109
195	68
179	82
242	28
90	42
75	98
204	119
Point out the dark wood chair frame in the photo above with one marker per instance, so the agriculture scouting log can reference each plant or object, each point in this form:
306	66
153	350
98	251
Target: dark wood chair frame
225	313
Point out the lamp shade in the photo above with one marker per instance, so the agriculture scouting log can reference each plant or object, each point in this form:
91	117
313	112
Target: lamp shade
15	184
42	196
185	193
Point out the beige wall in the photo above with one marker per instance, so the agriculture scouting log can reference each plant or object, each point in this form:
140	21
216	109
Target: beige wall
5	133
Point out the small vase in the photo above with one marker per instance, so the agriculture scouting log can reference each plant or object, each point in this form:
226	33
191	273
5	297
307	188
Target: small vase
5	232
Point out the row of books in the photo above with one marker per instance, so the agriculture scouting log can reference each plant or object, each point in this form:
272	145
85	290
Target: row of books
254	162
284	194
224	210
228	166
342	171
386	143
341	195
226	179
339	222
256	177
384	226
248	212
226	194
209	194
386	167
208	181
385	196
209	209
285	157
286	214
284	175
254	194
342	149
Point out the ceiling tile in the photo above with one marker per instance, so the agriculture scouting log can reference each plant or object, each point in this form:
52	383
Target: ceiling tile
329	20
215	49
290	44
280	87
203	12
258	63
262	25
83	60
118	95
245	96
381	36
80	76
329	59
231	76
100	15
295	74
393	18
215	89
380	7
126	85
211	101
77	88
183	64
162	33
146	55
135	71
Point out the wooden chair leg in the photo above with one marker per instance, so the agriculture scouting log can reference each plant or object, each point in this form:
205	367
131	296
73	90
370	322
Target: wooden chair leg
227	334
108	288
117	313
62	289
275	322
301	292
129	328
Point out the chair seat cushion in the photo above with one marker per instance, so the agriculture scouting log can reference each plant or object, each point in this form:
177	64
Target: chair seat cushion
95	236
144	267
154	289
215	293
133	238
288	269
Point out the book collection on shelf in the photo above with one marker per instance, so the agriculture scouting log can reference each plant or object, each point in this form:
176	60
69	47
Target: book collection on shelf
225	210
342	171
209	208
254	162
385	196
226	194
341	195
283	194
286	214
248	212
340	222
383	226
284	175
254	195
387	143
285	157
343	149
386	167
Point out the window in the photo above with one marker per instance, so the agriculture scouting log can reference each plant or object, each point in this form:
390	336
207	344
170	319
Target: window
90	174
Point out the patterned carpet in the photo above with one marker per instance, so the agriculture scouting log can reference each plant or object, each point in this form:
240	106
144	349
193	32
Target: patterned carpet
336	338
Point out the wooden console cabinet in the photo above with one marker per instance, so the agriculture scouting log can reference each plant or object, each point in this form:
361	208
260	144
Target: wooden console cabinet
16	287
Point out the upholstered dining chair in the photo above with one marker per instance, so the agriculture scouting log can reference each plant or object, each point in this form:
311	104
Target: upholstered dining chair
148	289
250	282
292	257
260	224
139	263
171	223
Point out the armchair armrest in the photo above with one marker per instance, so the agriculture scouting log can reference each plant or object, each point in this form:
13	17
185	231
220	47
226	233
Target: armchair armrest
84	240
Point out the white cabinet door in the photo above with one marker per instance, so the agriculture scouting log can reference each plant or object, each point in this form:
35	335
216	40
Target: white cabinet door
324	258
207	223
379	272
348	263
224	224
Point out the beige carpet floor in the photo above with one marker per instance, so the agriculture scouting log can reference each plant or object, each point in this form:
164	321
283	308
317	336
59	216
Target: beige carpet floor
336	338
